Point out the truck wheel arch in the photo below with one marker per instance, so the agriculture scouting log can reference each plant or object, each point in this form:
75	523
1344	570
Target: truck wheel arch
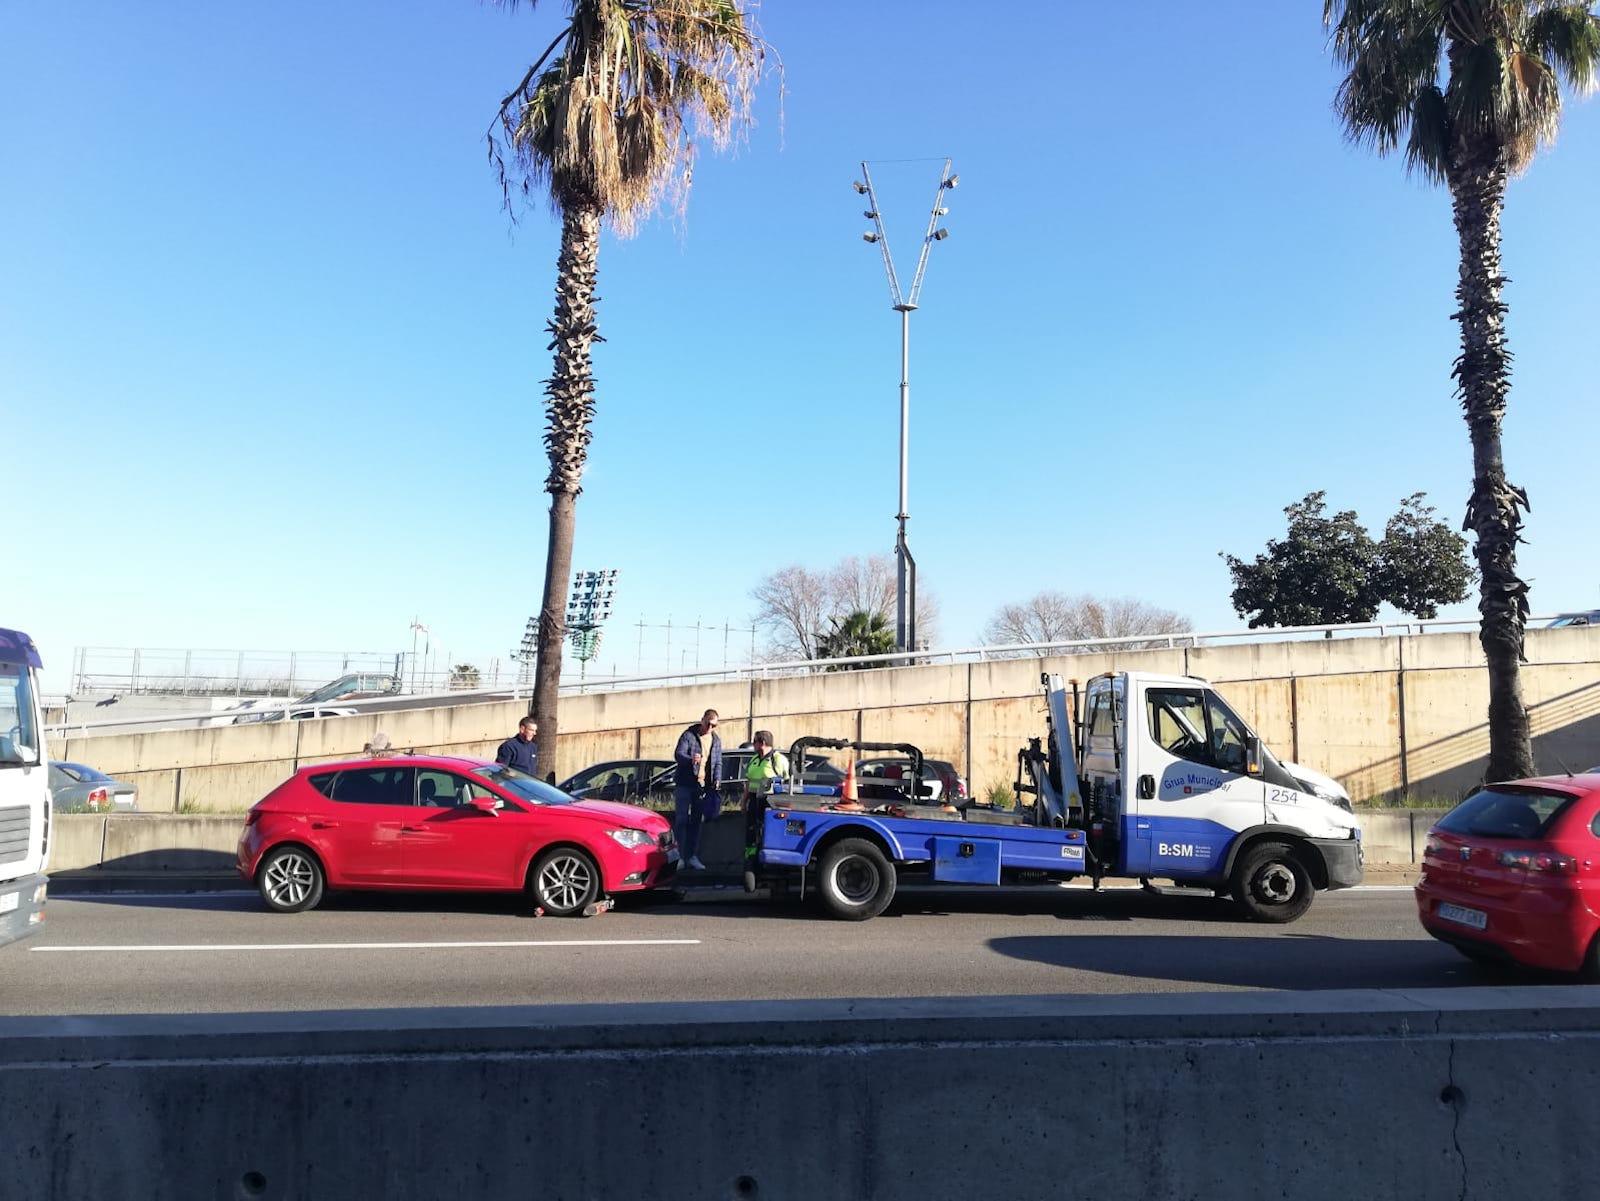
855	830
1307	853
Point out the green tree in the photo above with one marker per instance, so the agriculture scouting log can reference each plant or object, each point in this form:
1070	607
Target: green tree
1471	89
1324	572
1422	562
464	676
863	632
604	123
1329	570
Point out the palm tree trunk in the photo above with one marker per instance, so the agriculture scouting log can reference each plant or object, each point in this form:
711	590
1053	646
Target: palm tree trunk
569	401
1494	513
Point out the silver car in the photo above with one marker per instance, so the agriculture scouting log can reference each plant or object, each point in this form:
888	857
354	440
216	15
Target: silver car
75	788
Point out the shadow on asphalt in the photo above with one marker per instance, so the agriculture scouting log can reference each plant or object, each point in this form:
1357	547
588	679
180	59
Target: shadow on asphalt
1286	961
1121	905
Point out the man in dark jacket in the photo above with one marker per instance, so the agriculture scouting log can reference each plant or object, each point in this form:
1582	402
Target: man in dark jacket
696	781
522	751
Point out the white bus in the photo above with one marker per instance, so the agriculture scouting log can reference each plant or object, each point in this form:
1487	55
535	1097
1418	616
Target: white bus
24	790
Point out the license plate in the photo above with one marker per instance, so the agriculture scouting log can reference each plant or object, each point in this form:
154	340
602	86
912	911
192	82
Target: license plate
9	901
1475	918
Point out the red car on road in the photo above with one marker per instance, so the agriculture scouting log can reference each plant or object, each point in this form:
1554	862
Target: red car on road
434	823
1513	873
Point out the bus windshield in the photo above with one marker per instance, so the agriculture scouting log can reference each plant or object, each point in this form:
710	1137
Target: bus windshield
19	732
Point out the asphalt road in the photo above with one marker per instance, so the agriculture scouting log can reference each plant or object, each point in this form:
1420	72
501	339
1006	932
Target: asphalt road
224	952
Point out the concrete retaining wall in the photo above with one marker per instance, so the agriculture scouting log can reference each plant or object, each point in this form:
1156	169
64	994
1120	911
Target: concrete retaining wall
1384	715
1383	1096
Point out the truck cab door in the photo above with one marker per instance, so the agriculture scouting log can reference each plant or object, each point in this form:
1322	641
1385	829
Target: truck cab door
1192	791
1105	811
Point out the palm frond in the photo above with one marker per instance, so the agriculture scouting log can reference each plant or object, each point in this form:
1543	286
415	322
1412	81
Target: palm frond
1428	147
1392	51
1567	36
614	120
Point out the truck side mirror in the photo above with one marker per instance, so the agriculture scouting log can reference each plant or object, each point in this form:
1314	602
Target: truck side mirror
1252	755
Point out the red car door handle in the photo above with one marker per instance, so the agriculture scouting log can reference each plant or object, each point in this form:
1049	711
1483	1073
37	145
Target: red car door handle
324	825
411	829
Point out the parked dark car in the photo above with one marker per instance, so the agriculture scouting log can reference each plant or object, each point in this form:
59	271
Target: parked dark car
76	788
735	763
615	780
940	780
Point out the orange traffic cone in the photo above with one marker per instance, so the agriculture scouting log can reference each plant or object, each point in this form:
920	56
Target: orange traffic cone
847	791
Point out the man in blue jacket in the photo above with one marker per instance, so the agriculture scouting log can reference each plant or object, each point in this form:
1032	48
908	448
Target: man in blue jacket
696	781
522	750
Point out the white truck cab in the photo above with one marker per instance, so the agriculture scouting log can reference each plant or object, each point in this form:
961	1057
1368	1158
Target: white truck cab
24	790
1177	786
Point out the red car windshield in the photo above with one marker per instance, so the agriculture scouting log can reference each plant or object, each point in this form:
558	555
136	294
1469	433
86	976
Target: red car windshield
520	784
1505	813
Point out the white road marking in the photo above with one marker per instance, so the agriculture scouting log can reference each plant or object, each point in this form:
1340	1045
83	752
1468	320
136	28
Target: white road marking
385	946
220	894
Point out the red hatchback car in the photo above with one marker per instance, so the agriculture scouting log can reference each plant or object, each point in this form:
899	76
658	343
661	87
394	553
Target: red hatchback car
434	823
1513	873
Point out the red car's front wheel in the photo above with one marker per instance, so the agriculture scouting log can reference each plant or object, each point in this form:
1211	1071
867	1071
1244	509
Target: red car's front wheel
564	881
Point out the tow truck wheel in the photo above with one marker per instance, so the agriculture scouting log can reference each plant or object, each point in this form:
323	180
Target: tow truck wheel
857	881
1271	884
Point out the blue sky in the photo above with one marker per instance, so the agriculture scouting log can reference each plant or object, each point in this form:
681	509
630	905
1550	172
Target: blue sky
270	353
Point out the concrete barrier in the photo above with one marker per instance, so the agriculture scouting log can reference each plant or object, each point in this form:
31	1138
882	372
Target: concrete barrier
1396	835
1385	1096
77	841
143	843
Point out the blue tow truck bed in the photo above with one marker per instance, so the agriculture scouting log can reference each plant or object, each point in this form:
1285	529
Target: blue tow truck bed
956	851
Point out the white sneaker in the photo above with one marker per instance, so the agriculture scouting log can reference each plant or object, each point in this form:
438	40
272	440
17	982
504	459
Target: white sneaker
694	864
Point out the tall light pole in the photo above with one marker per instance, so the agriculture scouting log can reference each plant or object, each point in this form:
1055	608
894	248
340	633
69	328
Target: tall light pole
417	628
587	611
905	630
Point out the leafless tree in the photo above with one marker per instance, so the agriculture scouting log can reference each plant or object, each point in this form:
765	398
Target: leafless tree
1057	617
795	606
792	607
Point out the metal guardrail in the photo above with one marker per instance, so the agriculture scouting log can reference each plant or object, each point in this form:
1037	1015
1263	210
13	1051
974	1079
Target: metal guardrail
515	690
131	671
1023	650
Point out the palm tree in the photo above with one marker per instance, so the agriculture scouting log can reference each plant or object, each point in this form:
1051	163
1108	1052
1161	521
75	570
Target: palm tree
862	632
1471	89
604	122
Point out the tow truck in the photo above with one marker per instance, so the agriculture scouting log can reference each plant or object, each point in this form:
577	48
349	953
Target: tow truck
1138	776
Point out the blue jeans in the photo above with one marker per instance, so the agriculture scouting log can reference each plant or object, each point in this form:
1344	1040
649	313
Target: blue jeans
695	805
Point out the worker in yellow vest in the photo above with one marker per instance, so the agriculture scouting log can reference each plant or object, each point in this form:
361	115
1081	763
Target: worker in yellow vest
766	765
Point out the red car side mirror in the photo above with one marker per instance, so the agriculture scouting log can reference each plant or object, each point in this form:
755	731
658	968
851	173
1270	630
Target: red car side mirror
486	804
